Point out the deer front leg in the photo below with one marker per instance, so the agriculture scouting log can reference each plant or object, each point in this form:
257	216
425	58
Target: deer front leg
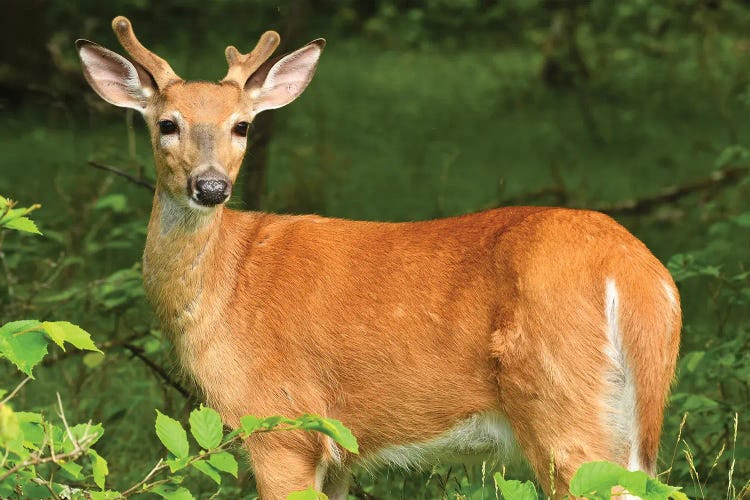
285	462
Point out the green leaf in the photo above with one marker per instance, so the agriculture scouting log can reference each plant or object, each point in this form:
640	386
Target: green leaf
32	428
99	468
176	464
23	224
596	477
172	493
206	427
11	436
634	481
208	470
172	435
225	462
63	331
250	424
515	490
332	428
72	468
23	343
308	494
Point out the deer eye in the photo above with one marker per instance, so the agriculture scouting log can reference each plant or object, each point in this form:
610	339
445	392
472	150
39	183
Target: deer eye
241	129
167	127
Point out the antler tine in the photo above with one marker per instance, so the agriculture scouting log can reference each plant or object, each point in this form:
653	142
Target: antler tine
155	65
241	66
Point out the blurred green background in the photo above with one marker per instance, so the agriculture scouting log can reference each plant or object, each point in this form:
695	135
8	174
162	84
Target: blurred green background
418	110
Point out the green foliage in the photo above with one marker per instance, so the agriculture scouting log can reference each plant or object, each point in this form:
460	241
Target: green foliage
328	426
15	218
206	427
172	435
595	480
308	494
515	490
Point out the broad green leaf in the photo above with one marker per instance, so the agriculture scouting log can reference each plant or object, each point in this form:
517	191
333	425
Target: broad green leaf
99	468
515	490
63	331
206	427
596	477
308	494
172	435
332	428
249	424
23	343
72	468
10	429
32	428
8	487
172	493
176	464
33	491
208	470
23	224
3	392
656	490
634	482
225	462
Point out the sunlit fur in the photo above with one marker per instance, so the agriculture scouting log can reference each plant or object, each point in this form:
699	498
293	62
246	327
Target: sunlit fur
551	328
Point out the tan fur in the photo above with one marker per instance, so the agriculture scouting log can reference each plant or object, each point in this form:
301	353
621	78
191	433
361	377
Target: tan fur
403	330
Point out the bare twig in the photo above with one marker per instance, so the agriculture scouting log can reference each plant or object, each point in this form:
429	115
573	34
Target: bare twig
15	391
36	460
725	177
140	354
143	481
719	179
132	178
51	360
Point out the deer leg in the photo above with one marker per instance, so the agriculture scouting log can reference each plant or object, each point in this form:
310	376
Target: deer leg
283	465
336	484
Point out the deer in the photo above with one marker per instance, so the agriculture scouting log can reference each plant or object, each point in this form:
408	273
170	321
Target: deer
542	332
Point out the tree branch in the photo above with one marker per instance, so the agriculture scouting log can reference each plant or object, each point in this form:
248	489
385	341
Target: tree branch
140	354
720	179
132	178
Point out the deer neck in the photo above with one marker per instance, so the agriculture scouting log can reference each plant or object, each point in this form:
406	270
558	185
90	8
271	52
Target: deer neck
180	254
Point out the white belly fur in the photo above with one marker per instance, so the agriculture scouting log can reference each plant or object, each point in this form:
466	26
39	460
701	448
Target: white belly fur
484	436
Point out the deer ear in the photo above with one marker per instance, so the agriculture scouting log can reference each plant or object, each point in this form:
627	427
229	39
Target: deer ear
280	81
116	80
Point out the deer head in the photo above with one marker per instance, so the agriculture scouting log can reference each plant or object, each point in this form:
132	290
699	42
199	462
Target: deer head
198	129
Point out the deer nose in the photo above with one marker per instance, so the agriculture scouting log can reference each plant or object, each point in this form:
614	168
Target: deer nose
211	188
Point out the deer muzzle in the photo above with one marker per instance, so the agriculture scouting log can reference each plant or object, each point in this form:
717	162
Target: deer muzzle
210	188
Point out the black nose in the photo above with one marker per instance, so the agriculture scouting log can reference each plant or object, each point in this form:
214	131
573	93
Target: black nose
211	190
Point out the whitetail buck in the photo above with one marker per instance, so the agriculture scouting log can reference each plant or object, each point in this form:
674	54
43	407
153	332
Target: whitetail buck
547	329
